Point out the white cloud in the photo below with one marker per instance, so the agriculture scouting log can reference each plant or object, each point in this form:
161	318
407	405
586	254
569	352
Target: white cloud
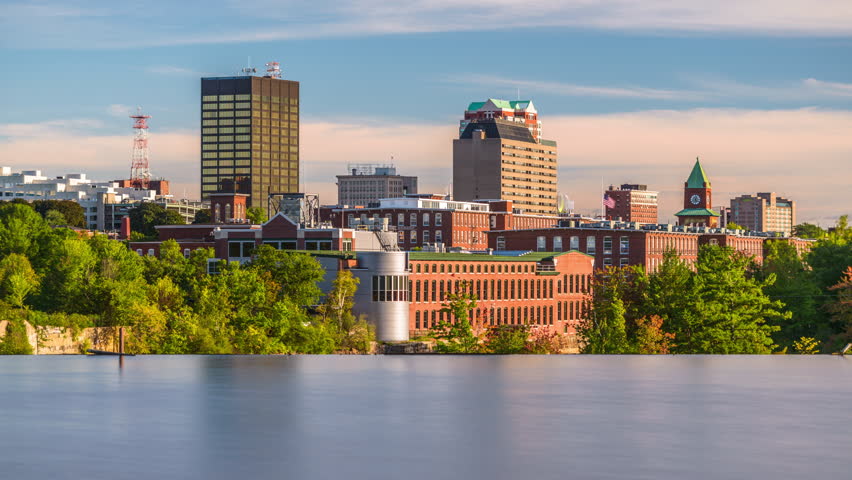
575	90
802	154
64	25
119	110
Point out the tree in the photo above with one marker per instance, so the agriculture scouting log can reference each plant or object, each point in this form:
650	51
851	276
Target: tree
256	215
734	226
507	339
806	346
336	311
20	229
17	279
604	329
147	215
296	274
732	307
651	338
16	341
455	335
808	230
203	216
794	286
72	212
841	310
55	218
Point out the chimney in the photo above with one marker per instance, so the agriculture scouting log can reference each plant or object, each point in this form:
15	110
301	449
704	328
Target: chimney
125	228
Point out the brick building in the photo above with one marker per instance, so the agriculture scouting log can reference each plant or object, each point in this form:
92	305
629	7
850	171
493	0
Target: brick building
633	203
427	220
544	289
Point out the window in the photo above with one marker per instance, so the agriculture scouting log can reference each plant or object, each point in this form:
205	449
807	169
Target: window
426	236
413	236
557	244
607	245
438	219
412	220
317	244
438	236
541	243
400	236
425	222
390	288
186	252
622	262
240	249
624	245
590	245
400	219
501	243
607	262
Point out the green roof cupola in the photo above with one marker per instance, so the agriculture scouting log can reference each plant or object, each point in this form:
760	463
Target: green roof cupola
697	179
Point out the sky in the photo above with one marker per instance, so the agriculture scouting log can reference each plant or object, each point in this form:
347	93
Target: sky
632	91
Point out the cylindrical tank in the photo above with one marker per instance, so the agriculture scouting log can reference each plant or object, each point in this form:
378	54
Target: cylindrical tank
383	292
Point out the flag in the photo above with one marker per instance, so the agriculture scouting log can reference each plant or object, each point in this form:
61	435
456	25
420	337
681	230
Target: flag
608	201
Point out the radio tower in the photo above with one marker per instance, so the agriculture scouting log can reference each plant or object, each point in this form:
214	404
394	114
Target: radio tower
139	173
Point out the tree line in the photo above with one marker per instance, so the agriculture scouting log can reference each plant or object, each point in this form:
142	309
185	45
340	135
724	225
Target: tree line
57	277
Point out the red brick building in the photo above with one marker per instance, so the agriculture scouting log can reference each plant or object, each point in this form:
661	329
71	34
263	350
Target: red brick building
426	220
544	289
633	203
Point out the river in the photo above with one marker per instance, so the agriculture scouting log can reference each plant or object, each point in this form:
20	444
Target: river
426	417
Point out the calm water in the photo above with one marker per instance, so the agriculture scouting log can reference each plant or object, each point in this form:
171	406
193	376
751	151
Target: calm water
377	417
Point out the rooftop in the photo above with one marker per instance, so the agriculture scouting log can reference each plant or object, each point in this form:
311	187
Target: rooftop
697	179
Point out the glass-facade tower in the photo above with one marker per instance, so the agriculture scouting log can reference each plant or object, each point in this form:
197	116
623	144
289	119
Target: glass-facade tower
249	137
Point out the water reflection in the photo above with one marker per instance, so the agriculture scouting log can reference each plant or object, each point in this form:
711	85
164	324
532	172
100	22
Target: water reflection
425	417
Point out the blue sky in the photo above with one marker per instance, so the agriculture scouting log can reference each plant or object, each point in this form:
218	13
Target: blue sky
633	91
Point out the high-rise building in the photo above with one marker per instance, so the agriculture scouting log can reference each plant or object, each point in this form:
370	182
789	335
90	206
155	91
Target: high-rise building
366	184
633	203
764	212
520	111
697	200
498	159
249	136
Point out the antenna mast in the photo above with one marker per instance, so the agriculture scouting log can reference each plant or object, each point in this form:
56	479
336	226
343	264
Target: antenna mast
140	175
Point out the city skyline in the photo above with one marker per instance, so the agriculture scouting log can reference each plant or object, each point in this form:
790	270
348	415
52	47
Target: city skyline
765	104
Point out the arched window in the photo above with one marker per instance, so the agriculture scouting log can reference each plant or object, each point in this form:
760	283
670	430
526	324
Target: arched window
217	213
228	212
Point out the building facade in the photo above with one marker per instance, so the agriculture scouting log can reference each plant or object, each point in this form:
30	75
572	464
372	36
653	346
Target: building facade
521	111
698	200
500	160
366	184
249	137
764	212
542	289
633	203
429	220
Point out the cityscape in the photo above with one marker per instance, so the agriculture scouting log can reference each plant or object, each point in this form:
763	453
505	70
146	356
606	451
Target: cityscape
268	239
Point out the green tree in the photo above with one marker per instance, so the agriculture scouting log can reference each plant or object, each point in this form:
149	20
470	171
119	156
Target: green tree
55	218
841	311
296	274
808	230
20	229
806	346
734	226
507	339
732	307
203	216
456	335
651	338
17	279
71	211
604	329
256	215
15	342
336	312
146	216
794	286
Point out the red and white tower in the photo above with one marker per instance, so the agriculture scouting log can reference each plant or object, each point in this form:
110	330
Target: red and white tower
140	175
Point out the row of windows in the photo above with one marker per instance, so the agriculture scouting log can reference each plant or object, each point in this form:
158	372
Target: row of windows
528	315
246	96
226	122
390	288
225	130
225	98
476	267
427	238
498	289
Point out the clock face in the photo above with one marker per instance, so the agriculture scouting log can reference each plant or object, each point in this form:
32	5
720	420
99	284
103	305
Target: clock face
695	199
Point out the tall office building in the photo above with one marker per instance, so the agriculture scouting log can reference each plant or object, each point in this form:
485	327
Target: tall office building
367	183
250	136
633	203
499	159
764	212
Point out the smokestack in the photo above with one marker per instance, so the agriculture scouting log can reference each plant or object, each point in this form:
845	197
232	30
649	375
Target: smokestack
125	228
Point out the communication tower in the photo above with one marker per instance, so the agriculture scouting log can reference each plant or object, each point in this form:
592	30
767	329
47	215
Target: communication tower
140	175
273	70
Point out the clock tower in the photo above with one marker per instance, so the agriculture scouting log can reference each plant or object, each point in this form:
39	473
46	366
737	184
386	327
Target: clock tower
697	200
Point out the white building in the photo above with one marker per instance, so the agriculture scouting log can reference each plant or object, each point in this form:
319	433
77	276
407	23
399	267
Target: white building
104	203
